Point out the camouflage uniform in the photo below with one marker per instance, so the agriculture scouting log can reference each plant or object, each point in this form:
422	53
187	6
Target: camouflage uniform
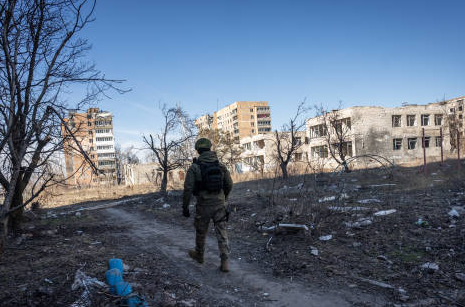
209	206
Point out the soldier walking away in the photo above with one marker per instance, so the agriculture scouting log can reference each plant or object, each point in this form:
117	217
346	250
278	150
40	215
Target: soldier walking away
210	181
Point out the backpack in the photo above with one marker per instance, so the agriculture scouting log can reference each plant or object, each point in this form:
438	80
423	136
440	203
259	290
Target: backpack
212	177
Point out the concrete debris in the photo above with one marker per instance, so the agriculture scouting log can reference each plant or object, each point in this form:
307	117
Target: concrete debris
356	244
166	206
325	238
282	226
369	201
188	303
385	212
253	214
325	199
430	266
48	281
78	214
160	200
79	232
313	250
453	213
359	223
266	294
376	283
460	210
381	185
346	209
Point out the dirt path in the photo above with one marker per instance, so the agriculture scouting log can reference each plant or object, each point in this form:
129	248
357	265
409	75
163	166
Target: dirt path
245	285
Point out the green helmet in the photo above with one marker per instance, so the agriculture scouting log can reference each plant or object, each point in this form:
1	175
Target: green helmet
203	143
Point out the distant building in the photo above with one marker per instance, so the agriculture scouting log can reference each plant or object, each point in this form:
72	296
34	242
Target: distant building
241	119
150	173
260	152
94	131
393	133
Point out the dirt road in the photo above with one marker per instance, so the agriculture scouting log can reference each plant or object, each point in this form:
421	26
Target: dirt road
245	285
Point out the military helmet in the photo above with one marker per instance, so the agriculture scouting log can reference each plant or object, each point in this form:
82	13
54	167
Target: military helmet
203	143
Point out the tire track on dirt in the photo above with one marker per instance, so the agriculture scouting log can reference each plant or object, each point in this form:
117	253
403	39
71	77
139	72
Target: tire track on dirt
174	241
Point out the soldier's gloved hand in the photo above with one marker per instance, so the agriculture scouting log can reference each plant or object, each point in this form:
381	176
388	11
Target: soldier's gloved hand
185	212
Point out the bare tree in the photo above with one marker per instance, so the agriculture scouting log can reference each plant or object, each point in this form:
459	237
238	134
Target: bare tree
170	145
288	140
337	133
41	55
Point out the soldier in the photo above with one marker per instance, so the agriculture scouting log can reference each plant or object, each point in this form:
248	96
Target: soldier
210	181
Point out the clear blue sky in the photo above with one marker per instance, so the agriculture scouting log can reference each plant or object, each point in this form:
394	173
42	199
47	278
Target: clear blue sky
200	52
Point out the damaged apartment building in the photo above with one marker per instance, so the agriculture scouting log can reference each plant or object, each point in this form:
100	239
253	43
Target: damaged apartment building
393	133
260	152
94	132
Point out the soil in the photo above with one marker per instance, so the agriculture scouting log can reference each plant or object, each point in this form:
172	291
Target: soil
377	264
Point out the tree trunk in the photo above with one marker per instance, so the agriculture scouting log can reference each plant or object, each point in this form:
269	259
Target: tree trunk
284	170
3	234
16	216
164	182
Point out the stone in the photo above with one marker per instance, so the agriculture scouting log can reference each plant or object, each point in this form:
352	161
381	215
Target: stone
430	266
460	276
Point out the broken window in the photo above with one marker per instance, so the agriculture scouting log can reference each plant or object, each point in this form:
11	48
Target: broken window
411	119
438	141
396	120
427	141
248	146
412	143
397	144
346	121
297	141
438	119
317	131
347	149
298	156
320	151
425	119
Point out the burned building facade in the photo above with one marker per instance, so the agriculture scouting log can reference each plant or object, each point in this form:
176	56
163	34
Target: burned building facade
402	134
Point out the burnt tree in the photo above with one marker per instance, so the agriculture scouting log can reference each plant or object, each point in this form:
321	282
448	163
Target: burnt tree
171	146
289	139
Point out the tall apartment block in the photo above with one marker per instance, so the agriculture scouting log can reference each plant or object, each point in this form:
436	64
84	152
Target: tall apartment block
94	131
241	119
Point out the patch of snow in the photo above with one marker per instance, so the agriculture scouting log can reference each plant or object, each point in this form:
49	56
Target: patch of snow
385	212
453	213
325	238
327	198
430	266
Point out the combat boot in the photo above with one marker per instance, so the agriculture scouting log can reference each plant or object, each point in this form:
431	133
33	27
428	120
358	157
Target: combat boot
224	265
196	256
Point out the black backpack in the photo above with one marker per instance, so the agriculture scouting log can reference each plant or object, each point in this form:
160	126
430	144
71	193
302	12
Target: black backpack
212	177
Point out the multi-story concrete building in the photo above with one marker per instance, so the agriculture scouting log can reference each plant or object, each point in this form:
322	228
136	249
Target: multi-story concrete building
394	133
94	131
260	152
241	119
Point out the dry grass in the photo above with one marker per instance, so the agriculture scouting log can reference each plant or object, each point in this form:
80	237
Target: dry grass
64	196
